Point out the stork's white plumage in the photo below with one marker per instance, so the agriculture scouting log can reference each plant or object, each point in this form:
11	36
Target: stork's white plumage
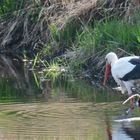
125	71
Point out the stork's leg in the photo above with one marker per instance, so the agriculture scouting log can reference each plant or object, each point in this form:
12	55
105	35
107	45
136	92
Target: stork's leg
123	88
132	103
121	85
139	102
129	86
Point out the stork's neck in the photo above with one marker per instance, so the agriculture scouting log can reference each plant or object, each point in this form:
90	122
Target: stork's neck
113	60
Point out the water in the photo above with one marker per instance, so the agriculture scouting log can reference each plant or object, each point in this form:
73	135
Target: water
73	111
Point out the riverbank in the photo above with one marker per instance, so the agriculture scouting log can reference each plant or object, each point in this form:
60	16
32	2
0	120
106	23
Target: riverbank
68	39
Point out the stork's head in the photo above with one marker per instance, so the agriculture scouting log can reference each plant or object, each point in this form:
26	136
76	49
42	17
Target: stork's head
110	58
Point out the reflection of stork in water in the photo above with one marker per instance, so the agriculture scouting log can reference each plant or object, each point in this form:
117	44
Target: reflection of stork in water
108	130
125	71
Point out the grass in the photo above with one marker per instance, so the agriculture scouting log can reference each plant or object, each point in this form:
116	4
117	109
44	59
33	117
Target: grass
109	35
7	7
117	33
112	34
85	42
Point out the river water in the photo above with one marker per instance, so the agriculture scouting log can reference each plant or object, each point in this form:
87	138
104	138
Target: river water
73	112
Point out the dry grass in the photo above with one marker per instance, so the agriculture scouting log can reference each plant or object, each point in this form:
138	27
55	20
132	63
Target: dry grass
30	29
61	12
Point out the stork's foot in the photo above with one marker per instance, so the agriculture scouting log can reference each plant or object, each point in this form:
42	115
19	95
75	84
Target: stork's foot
139	102
128	111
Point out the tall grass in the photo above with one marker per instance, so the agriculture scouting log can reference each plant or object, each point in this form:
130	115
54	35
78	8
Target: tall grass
112	34
108	35
65	37
9	6
117	33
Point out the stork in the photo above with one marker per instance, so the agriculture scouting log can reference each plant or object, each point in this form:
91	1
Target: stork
125	71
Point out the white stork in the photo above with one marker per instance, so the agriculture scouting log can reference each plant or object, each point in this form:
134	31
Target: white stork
125	72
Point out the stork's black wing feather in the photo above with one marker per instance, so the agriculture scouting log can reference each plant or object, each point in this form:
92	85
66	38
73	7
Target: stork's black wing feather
135	61
135	73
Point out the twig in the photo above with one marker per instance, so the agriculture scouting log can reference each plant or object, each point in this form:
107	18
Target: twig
131	98
128	119
122	50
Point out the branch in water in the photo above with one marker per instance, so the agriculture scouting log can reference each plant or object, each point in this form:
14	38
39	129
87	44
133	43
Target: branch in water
131	98
128	119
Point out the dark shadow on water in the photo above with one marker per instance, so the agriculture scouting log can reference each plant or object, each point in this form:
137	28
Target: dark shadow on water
16	81
132	129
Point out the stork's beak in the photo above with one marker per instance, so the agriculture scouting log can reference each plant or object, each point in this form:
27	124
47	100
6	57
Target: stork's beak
107	71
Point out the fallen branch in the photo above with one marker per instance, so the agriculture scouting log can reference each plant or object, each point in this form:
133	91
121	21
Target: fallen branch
128	119
131	98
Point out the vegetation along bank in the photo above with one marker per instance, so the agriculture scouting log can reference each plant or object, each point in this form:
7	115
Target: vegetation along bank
66	39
